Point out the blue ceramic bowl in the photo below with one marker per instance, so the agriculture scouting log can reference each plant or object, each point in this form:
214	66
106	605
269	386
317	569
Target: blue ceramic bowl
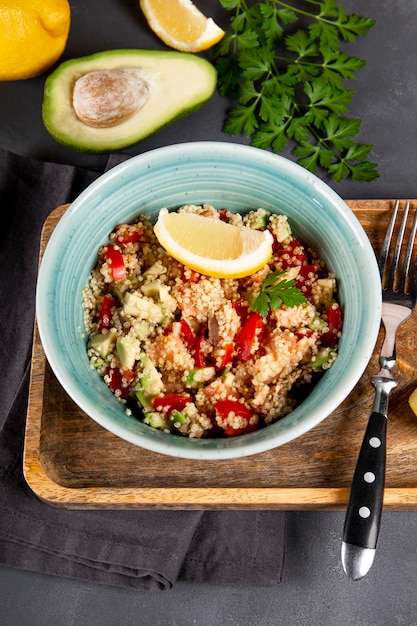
222	174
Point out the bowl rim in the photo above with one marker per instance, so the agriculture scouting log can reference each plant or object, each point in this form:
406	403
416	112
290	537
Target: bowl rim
244	445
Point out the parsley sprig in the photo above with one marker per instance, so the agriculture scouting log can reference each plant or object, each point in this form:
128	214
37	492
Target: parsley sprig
284	67
275	291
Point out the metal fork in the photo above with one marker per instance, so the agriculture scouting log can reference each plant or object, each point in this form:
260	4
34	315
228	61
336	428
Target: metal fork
399	296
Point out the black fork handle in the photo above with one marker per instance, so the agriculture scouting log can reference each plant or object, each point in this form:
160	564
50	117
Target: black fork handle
365	504
363	515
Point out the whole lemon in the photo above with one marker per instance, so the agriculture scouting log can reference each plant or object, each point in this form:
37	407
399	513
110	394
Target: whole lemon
33	35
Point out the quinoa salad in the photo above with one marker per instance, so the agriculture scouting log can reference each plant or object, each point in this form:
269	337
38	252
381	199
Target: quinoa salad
208	357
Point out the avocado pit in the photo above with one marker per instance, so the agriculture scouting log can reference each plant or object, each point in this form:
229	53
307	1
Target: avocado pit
106	98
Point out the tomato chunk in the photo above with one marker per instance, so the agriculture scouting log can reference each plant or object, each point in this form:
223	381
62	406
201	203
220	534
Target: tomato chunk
128	233
114	380
232	432
305	279
117	264
291	254
225	407
170	402
334	323
200	357
105	312
245	338
241	308
187	333
227	357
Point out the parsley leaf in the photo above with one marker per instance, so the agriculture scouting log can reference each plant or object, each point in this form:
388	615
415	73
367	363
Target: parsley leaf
276	291
282	63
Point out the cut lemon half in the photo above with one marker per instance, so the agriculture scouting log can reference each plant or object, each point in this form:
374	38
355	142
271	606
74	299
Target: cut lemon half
412	401
212	247
181	25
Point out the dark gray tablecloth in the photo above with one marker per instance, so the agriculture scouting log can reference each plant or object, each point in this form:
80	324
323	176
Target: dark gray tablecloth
138	549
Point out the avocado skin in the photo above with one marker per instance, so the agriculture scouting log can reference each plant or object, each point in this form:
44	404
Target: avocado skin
197	80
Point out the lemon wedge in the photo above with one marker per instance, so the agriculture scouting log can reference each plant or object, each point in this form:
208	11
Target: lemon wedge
412	401
181	25
213	247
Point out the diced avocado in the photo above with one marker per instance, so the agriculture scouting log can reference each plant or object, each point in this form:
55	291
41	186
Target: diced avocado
164	294
98	363
177	417
323	290
151	289
258	219
158	291
291	273
317	323
157	420
172	84
145	309
323	356
127	349
103	343
142	330
117	291
281	227
144	399
155	270
228	378
199	375
150	379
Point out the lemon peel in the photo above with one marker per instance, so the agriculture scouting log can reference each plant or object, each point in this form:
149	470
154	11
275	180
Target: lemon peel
213	247
181	25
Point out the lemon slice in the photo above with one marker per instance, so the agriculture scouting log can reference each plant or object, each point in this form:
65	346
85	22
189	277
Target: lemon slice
212	247
181	25
412	401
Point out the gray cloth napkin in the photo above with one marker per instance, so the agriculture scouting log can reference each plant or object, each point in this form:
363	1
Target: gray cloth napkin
148	550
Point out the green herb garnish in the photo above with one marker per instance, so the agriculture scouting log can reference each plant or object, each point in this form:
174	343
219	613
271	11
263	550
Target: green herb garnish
284	66
276	291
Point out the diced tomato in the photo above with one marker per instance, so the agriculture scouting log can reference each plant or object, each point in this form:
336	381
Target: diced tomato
232	432
334	322
128	233
114	255
223	215
245	338
225	407
305	279
291	254
170	402
105	313
187	333
227	356
200	357
241	309
114	379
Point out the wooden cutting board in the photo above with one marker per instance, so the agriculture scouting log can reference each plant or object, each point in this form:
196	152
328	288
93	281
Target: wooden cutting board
72	462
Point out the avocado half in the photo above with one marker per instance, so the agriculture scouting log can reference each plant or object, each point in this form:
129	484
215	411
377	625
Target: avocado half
178	83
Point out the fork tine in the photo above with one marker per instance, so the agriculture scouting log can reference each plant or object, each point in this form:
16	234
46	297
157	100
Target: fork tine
407	260
397	249
387	241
